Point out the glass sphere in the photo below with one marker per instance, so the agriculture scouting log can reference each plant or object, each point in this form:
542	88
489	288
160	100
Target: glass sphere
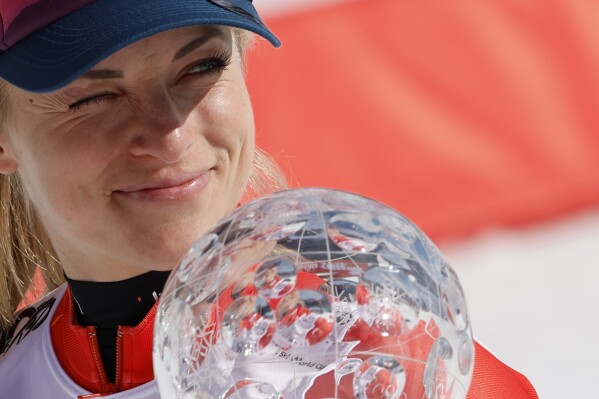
313	293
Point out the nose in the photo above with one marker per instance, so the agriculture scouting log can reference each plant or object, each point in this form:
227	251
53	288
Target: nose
162	132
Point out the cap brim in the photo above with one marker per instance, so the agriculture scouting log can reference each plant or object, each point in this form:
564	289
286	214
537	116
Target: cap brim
61	52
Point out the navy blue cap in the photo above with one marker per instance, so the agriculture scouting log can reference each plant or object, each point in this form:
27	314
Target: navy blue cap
46	44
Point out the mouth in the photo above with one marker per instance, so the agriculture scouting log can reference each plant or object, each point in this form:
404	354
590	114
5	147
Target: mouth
168	189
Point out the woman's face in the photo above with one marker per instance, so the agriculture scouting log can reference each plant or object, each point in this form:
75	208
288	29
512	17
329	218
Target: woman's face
130	164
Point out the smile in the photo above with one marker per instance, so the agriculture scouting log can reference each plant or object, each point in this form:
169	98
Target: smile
168	189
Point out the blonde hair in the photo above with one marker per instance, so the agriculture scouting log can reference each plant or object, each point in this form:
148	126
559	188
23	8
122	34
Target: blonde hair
25	247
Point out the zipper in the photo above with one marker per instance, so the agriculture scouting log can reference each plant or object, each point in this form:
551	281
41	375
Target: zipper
119	362
107	387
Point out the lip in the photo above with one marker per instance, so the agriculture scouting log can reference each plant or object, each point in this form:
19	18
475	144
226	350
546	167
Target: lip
169	189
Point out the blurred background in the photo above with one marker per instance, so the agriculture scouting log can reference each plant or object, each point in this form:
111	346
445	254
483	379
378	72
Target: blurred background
479	121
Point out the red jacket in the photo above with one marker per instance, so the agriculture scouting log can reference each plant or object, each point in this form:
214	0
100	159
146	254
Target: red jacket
77	351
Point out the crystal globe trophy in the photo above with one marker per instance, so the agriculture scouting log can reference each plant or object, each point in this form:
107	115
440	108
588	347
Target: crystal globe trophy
317	294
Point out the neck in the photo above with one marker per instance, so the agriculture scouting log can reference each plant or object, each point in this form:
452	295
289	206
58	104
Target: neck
117	303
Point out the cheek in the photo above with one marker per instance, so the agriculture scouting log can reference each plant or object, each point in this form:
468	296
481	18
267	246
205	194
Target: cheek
63	149
228	107
55	190
62	180
228	120
244	119
229	127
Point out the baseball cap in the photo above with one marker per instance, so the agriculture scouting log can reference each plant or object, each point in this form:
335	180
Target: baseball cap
45	44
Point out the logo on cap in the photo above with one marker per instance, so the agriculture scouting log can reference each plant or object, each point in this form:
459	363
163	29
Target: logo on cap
226	4
19	18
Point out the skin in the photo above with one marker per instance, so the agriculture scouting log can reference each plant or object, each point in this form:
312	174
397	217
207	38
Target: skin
127	180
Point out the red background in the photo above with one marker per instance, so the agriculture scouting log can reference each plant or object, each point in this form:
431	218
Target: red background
461	115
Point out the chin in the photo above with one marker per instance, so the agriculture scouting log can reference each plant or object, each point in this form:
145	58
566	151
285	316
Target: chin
162	247
161	268
167	255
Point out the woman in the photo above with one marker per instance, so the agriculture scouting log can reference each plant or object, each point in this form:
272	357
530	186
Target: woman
126	131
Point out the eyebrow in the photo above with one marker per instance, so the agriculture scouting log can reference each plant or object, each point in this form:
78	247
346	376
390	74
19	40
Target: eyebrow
103	74
194	44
